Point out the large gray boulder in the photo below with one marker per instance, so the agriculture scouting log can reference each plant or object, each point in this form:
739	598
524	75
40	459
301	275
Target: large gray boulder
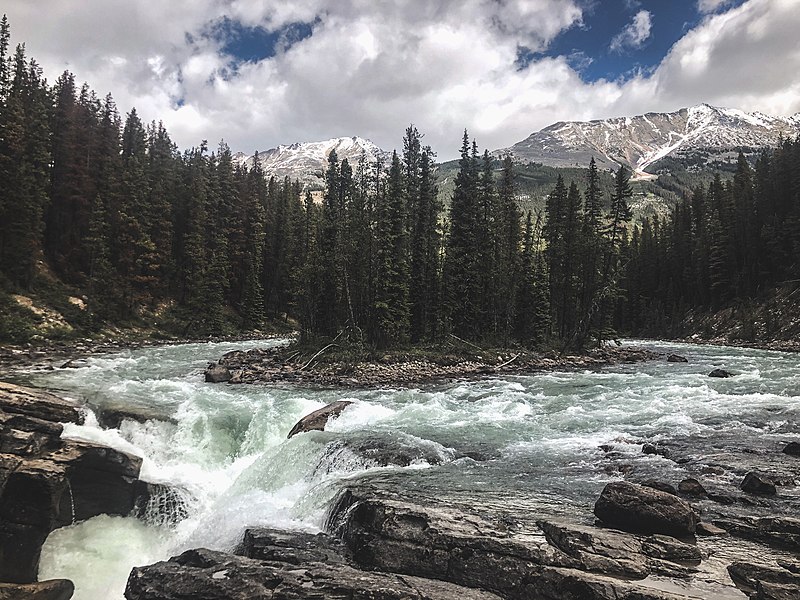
637	508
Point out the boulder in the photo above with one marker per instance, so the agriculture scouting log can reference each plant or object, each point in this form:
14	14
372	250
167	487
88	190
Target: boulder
756	483
317	420
677	358
637	508
721	373
650	448
216	373
792	449
207	575
53	589
691	487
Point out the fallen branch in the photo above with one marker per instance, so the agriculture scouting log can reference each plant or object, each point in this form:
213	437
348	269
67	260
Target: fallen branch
508	362
316	355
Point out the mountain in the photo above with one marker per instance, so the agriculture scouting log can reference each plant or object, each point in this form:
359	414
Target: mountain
697	136
307	161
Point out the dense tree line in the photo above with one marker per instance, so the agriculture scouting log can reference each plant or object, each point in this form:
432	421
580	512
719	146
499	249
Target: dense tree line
727	242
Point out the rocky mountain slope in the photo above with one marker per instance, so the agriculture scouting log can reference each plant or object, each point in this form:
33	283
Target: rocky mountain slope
306	161
697	136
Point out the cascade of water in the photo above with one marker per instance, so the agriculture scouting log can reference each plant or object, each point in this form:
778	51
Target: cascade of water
71	502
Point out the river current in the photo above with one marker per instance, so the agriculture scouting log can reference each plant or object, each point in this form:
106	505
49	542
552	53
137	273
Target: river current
515	442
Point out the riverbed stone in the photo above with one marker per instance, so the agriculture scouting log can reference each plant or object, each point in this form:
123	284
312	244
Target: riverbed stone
216	373
691	487
316	421
637	508
758	483
677	358
208	575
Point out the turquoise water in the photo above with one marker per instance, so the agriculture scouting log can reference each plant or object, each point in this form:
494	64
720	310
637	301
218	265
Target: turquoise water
535	439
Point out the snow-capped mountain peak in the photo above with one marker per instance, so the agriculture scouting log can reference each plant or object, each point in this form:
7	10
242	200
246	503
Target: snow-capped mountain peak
697	132
306	161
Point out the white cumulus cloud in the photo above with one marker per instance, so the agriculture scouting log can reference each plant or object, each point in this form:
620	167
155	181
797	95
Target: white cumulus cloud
635	33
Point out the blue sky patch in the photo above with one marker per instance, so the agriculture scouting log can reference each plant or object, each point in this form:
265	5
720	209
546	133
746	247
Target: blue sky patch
252	44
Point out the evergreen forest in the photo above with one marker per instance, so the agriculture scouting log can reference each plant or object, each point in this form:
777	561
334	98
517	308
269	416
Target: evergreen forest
108	209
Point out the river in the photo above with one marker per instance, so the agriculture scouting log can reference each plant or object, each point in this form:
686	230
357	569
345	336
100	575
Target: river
523	442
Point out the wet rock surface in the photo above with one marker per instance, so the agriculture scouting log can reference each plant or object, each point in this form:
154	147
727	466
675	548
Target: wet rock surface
208	575
47	482
317	420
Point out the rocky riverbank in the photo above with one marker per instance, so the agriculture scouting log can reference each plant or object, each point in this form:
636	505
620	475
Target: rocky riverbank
47	482
282	365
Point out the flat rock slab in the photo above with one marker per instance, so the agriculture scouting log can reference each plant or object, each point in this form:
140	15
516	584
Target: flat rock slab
208	575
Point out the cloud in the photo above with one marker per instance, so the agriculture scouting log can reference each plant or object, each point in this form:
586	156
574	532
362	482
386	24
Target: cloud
371	68
635	33
710	6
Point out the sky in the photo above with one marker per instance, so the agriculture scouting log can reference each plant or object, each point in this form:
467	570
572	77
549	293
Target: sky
262	73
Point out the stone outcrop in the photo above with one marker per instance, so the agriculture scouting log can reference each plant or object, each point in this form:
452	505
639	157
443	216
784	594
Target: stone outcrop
778	531
47	482
207	575
292	547
216	373
317	420
638	508
555	560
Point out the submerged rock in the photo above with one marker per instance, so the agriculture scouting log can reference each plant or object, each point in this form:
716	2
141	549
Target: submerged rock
317	420
677	358
721	373
207	575
654	449
637	508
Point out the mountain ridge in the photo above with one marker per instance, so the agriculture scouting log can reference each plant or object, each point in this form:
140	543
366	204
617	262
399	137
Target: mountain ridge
698	134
